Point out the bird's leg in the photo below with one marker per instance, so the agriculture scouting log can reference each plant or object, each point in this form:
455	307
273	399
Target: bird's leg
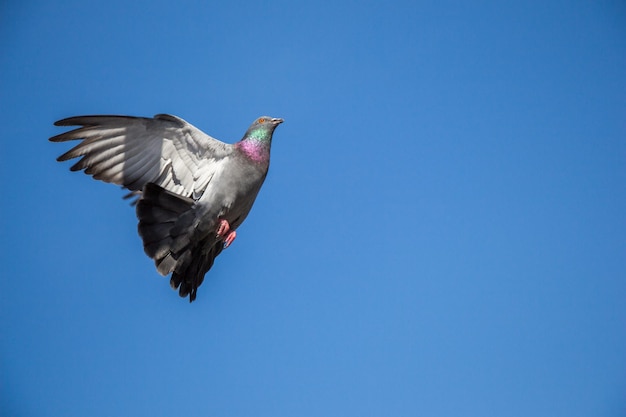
223	230
230	238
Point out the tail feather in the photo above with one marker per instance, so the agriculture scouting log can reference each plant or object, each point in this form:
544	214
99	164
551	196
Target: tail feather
200	264
166	226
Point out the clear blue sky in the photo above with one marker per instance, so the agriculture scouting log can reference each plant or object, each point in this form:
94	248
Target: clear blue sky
442	231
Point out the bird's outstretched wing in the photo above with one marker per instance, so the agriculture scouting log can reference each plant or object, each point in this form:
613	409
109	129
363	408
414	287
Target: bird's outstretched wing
133	151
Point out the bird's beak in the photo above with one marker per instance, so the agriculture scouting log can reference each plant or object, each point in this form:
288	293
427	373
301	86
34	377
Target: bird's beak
277	121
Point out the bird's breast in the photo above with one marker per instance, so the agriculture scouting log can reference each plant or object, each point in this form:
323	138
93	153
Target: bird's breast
232	191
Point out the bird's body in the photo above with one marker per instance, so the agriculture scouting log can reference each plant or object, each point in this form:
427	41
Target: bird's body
194	191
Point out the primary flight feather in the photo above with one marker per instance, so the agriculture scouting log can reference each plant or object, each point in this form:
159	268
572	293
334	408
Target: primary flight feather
194	190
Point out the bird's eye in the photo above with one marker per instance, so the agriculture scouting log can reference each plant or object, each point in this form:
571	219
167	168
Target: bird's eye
262	120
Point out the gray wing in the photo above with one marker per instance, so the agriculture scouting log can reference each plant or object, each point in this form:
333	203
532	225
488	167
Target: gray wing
134	151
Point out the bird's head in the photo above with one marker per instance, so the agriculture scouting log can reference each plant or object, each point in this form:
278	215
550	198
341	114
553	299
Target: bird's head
257	141
263	128
266	122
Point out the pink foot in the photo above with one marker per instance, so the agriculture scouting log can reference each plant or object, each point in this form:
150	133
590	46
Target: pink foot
230	239
223	230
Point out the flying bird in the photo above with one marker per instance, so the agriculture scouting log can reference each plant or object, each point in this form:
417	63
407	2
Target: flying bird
193	190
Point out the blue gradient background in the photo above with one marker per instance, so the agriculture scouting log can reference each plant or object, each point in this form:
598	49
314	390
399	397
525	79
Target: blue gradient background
442	232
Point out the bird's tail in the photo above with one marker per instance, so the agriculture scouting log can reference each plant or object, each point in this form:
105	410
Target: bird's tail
167	228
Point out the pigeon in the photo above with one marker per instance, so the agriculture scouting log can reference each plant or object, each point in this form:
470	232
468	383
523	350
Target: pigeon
193	191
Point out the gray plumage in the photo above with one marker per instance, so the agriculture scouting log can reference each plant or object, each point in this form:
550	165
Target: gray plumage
187	182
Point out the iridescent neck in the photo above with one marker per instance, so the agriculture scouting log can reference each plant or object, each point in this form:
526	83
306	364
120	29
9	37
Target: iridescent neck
255	148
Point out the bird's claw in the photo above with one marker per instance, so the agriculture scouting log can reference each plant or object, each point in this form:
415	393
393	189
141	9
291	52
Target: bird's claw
230	238
223	231
223	228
